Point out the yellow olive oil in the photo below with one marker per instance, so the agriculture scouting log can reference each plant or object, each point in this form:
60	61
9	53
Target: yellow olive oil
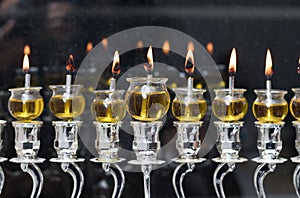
272	113
109	111
26	110
189	111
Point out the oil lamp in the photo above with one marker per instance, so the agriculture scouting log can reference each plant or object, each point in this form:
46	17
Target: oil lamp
67	103
229	106
295	111
188	107
147	100
109	109
26	104
269	108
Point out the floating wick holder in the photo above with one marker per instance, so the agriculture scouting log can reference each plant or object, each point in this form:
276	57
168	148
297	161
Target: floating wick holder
107	146
2	159
269	145
228	145
27	145
146	145
188	145
66	145
296	175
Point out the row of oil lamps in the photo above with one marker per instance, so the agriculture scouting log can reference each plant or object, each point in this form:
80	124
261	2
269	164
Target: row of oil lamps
147	101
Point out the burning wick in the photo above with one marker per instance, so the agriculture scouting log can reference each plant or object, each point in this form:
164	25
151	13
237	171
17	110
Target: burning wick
115	70
26	70
189	69
149	66
232	69
70	67
298	68
268	72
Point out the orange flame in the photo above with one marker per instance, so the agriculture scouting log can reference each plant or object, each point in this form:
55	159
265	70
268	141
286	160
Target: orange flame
190	46
189	62
70	64
116	69
27	50
149	66
104	43
166	47
232	62
268	66
139	44
89	47
25	63
210	48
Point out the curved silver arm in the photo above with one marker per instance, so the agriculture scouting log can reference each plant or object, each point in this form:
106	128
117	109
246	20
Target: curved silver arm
2	179
146	169
77	176
296	180
221	171
37	178
178	176
260	173
119	179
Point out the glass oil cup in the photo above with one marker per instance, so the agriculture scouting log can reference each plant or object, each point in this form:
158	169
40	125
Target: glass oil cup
295	111
147	99
189	107
272	108
66	102
26	104
230	105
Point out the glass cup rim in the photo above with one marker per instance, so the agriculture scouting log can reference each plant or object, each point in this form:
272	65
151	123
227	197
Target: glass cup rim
296	89
65	86
273	91
184	90
25	89
235	90
107	91
145	79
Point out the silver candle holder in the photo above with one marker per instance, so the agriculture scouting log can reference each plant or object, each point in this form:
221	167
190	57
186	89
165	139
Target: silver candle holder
2	159
269	127
229	106
147	100
26	104
189	106
68	103
109	109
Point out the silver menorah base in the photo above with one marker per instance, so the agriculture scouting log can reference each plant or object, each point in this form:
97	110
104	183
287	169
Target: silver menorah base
269	145
66	145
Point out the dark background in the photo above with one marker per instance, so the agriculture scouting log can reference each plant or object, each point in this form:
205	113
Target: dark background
53	29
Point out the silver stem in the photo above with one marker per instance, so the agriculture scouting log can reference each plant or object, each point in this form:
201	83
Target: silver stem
296	180
77	176
2	179
180	173
146	169
37	178
221	171
119	183
260	173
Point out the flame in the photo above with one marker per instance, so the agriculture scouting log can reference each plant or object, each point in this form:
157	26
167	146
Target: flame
299	61
210	48
189	62
149	66
27	50
139	44
116	69
268	68
70	64
232	62
104	43
166	47
89	47
190	46
26	63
